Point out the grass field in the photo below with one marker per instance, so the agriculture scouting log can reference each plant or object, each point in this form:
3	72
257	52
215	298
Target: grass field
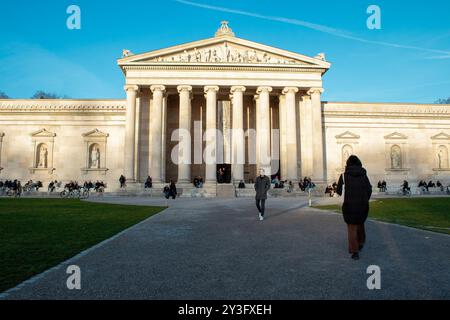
36	234
424	213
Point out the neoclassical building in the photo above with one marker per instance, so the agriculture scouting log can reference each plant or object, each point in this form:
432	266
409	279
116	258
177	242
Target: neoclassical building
221	102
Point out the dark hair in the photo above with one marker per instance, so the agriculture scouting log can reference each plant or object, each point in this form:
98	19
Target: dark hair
353	161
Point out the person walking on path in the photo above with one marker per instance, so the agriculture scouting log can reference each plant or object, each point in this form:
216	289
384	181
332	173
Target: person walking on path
355	208
262	185
122	181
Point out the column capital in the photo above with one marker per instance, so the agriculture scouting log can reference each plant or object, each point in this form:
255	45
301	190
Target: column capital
158	87
211	88
289	89
315	91
263	89
237	89
306	98
184	88
131	87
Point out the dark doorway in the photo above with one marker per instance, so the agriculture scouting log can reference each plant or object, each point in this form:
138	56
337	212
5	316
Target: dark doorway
224	173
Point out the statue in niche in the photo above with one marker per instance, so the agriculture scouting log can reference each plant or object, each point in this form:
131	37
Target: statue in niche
43	154
442	158
396	158
95	158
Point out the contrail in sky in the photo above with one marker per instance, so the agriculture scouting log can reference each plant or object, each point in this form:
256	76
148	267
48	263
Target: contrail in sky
317	27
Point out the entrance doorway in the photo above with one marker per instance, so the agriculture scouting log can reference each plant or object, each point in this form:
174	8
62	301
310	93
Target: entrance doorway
224	173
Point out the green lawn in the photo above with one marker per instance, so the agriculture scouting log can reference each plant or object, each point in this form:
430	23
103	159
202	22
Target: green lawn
36	234
424	213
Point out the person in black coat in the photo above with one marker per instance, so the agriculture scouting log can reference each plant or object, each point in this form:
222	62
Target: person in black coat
262	185
356	203
172	190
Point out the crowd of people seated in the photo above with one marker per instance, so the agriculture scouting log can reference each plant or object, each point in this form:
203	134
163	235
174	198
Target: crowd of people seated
98	186
382	186
53	185
170	191
32	185
278	184
424	186
306	184
13	187
331	189
148	183
198	182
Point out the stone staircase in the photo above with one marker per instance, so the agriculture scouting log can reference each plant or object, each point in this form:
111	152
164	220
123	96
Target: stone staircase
249	191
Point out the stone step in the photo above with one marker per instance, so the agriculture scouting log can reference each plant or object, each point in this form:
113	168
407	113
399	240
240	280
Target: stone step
249	191
225	190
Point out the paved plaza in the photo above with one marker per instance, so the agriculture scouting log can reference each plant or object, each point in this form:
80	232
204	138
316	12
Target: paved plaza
218	249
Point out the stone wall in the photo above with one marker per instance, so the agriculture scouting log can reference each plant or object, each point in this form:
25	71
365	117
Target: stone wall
395	142
68	130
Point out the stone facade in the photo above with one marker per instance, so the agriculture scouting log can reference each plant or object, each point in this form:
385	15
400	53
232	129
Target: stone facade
264	102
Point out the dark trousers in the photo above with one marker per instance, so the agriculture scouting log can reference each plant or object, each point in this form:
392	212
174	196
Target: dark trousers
356	237
260	204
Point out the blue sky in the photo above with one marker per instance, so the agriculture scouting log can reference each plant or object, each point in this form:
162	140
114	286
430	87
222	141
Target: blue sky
408	60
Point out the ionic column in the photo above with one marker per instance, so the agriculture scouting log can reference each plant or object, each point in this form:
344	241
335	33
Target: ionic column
237	139
263	130
156	124
211	137
306	137
130	132
184	157
283	150
291	133
316	106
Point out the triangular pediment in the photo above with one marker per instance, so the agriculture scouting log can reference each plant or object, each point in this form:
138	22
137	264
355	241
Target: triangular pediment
43	133
225	50
347	135
441	136
95	134
396	135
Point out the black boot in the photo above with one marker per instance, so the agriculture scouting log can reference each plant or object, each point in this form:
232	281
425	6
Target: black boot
355	256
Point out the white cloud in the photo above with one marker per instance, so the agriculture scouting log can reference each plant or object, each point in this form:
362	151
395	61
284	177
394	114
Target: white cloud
313	26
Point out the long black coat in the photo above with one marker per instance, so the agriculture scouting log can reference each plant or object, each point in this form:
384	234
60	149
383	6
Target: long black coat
357	194
262	185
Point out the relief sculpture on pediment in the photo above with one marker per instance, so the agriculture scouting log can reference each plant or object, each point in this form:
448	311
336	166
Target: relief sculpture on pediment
224	54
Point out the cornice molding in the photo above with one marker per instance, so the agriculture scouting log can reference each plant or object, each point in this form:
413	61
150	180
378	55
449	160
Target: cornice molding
41	105
222	68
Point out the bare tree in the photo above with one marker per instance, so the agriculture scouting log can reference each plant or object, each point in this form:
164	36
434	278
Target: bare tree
443	101
40	94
